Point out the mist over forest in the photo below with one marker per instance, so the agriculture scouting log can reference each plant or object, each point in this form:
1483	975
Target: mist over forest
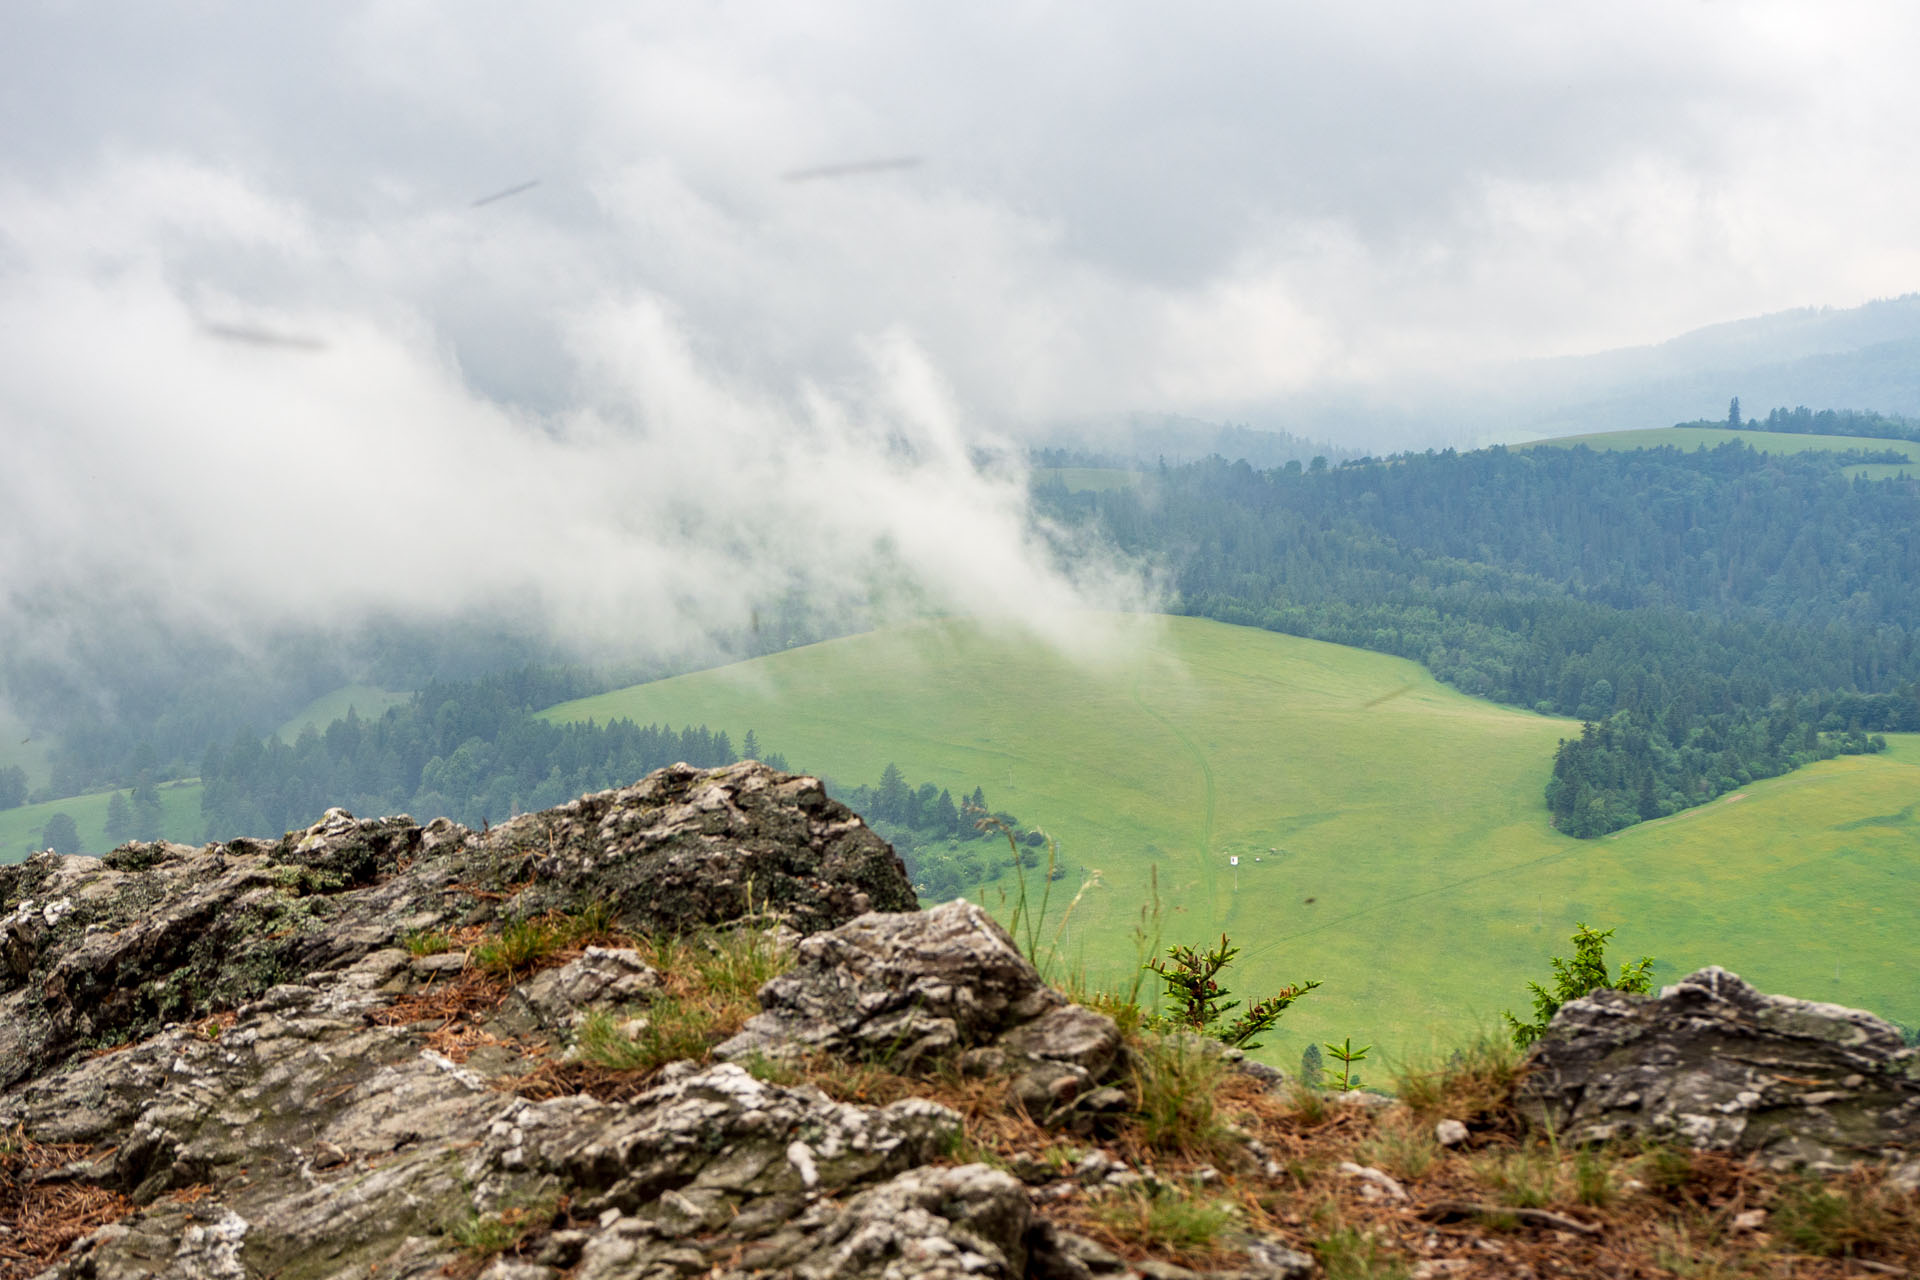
472	358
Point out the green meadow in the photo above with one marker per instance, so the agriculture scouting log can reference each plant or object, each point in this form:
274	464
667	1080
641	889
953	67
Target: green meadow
19	746
1391	835
20	829
1763	441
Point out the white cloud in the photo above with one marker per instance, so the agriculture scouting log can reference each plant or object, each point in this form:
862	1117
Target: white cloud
668	367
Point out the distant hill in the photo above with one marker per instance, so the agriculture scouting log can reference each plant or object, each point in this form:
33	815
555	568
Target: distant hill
1146	439
1865	357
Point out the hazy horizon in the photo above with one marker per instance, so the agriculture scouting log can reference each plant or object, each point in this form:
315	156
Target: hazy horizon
630	322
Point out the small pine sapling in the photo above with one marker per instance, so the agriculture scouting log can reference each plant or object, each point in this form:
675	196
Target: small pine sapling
1585	973
1201	1004
1346	1055
1312	1066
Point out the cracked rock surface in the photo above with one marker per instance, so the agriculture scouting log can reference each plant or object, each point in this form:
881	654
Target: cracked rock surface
1715	1064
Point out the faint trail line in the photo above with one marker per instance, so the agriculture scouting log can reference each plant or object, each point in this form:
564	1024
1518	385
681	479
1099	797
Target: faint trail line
1206	773
1387	697
1384	903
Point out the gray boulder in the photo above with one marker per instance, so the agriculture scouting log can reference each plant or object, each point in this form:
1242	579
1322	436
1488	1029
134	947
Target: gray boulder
555	1000
898	988
1714	1064
685	848
95	952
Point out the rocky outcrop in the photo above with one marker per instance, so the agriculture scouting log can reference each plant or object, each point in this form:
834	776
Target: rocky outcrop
239	1041
906	989
100	951
295	1059
1712	1063
684	848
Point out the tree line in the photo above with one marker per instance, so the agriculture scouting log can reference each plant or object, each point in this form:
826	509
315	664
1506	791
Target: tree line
455	750
1803	421
946	845
1629	768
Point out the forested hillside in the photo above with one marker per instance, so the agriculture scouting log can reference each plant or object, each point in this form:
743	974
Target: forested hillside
1802	421
1729	614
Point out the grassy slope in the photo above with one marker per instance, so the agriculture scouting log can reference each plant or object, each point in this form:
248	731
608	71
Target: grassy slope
1410	815
1764	441
20	828
366	701
18	746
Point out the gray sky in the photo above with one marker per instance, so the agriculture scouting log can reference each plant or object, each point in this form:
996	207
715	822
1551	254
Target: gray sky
668	366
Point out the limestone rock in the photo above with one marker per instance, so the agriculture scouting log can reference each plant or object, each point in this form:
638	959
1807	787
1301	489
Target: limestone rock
718	1132
556	999
315	1129
1715	1064
898	988
968	1223
684	848
97	951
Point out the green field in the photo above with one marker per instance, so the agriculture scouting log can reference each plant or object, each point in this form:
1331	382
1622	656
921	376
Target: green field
1763	441
1404	855
366	701
20	828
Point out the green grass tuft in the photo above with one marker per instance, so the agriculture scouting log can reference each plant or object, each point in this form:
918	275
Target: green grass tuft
519	947
1349	1253
1176	1078
426	942
1164	1217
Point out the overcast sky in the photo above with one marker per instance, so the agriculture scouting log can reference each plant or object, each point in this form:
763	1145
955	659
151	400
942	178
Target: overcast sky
245	285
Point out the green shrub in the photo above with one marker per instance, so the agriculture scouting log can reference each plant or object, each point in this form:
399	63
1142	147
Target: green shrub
1585	973
1346	1055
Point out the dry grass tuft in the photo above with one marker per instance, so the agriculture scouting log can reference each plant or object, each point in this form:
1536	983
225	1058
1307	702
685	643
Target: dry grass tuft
1473	1084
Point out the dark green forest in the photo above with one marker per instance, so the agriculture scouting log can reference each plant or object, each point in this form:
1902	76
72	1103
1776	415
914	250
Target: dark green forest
471	750
1724	602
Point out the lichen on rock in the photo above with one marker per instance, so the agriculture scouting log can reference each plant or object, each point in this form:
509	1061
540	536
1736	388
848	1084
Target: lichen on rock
1712	1063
